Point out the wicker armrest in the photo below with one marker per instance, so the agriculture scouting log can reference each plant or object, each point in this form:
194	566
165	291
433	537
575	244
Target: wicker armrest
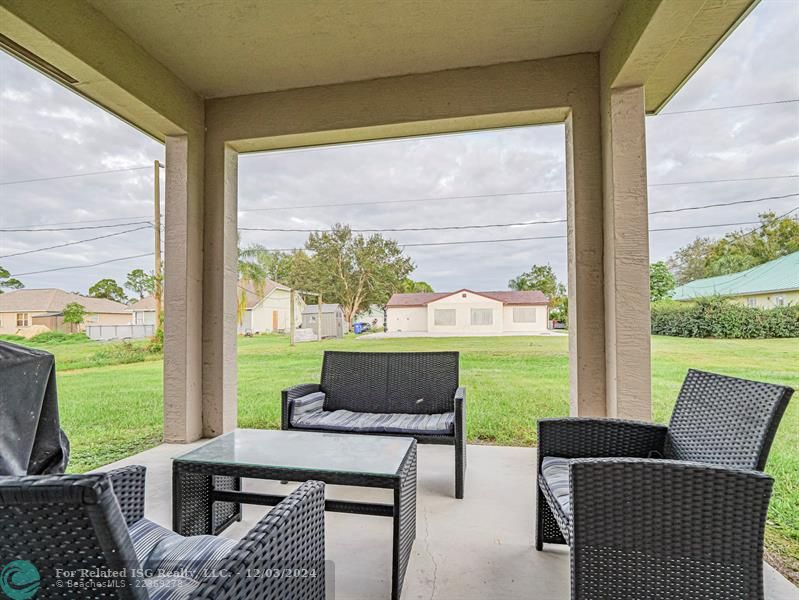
128	484
696	527
587	438
282	556
289	395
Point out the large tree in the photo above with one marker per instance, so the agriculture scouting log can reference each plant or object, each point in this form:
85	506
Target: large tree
409	286
541	278
108	289
8	282
661	281
351	270
736	251
140	283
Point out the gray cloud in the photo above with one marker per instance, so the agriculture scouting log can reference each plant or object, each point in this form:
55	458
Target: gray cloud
46	130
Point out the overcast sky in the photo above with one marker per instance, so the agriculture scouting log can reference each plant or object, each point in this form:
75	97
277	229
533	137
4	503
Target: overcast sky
47	131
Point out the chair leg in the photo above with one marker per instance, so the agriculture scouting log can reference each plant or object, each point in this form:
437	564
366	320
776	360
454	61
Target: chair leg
539	520
460	467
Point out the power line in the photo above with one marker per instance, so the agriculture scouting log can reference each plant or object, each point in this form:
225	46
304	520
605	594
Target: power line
76	242
397	229
712	108
500	195
674	210
695	181
74	175
105	262
20	230
495	225
83	221
405	201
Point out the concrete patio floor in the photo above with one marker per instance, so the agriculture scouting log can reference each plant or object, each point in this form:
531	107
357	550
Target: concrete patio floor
478	548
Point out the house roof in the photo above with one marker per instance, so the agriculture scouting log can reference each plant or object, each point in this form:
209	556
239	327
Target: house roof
145	304
255	295
506	297
778	275
311	309
54	300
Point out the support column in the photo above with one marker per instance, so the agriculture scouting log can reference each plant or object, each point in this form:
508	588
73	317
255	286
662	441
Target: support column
626	229
585	246
183	290
220	280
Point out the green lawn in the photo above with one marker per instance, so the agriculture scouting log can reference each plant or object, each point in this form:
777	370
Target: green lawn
112	411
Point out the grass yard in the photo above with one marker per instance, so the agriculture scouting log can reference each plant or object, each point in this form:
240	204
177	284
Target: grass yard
113	411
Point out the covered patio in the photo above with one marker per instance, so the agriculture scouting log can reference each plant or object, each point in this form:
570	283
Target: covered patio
215	80
471	549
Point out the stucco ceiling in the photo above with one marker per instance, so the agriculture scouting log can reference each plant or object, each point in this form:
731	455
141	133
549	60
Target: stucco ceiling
233	47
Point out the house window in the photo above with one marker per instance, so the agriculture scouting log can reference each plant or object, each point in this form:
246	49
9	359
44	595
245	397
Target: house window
482	316
444	317
23	320
751	302
524	314
779	301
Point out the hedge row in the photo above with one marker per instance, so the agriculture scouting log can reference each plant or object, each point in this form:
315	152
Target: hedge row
720	318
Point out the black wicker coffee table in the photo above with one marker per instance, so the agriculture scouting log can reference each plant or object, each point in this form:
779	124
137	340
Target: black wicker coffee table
206	482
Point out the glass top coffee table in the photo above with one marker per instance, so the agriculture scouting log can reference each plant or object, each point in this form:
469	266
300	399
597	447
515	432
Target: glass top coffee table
206	482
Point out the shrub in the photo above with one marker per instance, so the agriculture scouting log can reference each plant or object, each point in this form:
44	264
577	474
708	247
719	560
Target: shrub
119	353
717	317
11	338
58	337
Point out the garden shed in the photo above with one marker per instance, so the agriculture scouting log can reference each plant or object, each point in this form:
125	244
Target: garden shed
332	319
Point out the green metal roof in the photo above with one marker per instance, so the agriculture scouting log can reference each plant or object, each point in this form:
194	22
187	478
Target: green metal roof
778	275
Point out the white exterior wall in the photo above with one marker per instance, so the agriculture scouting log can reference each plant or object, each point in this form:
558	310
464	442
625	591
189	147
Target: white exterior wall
259	319
410	318
540	324
463	303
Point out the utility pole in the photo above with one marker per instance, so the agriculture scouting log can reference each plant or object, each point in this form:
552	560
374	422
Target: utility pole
319	317
292	296
157	229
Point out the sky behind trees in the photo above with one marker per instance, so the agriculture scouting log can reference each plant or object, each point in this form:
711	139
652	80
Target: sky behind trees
491	177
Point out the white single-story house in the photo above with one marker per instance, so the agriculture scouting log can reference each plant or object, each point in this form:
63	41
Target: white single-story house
143	311
468	312
27	312
269	308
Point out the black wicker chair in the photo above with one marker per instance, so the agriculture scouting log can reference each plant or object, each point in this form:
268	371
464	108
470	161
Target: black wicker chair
87	537
413	394
673	512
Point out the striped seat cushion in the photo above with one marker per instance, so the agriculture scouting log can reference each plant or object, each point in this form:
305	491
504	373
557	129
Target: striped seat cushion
176	562
170	587
556	474
306	405
345	420
145	535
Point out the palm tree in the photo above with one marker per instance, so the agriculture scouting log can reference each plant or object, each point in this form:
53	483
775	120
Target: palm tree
252	277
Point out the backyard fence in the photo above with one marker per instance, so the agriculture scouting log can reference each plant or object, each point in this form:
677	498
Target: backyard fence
120	332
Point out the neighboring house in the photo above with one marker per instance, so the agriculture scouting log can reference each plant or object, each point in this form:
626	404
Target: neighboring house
775	283
268	309
143	311
468	312
28	311
333	322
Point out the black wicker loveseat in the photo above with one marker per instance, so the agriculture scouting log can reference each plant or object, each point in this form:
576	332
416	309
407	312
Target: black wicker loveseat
85	536
413	394
656	512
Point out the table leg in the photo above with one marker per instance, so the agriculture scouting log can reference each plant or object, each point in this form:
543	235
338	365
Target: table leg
404	522
191	502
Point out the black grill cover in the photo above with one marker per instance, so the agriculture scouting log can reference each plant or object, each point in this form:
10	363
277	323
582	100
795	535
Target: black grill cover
31	440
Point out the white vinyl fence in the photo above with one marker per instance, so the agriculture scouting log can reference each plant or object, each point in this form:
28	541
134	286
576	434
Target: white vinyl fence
119	332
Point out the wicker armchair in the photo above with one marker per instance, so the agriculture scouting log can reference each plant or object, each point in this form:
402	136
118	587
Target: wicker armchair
87	538
673	512
413	394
